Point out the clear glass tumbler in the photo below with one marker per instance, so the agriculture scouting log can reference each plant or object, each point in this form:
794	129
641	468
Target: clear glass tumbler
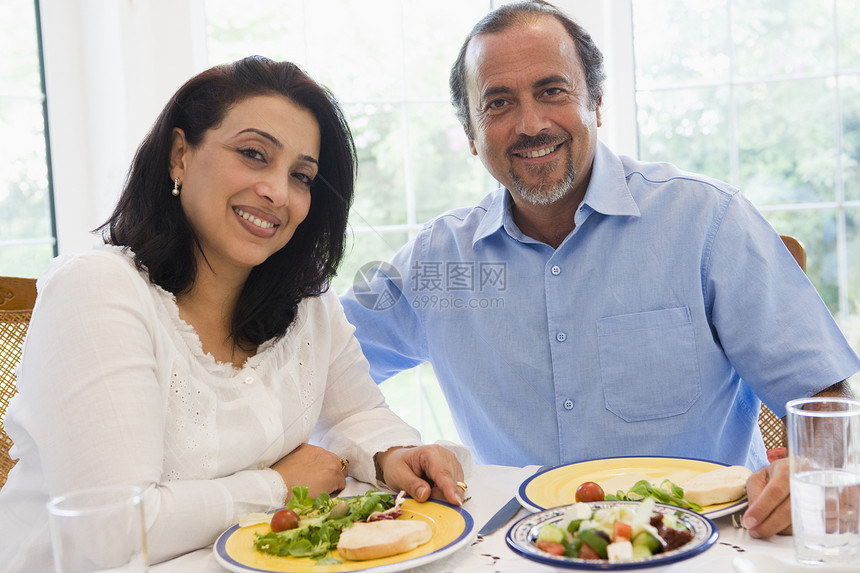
99	529
824	457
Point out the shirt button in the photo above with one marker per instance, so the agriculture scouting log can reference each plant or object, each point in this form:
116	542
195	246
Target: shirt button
568	404
249	380
555	270
561	337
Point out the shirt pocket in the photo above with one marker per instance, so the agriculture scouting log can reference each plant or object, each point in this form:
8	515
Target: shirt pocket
648	364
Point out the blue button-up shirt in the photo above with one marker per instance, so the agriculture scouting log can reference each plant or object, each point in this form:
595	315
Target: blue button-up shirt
651	330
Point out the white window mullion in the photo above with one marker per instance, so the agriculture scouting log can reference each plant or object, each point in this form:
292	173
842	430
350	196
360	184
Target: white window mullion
841	236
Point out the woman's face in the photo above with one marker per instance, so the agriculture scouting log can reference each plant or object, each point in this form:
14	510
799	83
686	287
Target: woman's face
246	186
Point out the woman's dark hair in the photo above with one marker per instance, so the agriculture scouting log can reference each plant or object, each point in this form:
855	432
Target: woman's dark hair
510	15
150	221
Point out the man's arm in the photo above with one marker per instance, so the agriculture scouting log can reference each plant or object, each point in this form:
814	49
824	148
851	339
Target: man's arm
838	390
769	511
387	326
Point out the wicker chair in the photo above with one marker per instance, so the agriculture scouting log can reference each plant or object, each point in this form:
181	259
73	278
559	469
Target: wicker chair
17	296
772	427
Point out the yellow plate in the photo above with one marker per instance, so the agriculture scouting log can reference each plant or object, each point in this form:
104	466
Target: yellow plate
557	486
452	528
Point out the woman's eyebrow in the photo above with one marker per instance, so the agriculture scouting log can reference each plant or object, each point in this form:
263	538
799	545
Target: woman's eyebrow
265	134
309	159
277	142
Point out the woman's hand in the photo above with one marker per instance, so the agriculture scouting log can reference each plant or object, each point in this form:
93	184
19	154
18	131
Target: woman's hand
315	467
422	471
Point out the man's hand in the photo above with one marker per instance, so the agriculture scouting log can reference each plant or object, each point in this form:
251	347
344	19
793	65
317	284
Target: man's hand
423	471
769	510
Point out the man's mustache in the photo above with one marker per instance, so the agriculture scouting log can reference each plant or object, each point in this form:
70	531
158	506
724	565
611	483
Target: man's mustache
526	143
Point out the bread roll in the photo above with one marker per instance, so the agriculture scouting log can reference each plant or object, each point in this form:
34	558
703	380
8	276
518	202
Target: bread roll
383	538
718	486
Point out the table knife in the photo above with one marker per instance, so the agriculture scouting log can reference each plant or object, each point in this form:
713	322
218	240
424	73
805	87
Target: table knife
505	514
501	517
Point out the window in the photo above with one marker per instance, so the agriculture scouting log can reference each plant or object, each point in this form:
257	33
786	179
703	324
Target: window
27	240
391	78
764	94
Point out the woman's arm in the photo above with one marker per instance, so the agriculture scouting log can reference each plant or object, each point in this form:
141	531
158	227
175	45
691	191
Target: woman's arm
95	405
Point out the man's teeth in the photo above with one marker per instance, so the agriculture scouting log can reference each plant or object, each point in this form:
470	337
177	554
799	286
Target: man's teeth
253	219
539	152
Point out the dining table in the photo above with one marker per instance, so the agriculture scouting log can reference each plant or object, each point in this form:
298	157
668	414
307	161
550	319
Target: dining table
491	486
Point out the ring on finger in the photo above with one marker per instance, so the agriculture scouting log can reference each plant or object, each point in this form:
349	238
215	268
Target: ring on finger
462	486
344	464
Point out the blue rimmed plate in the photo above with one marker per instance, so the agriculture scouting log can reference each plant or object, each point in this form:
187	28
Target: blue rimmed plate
522	535
453	527
557	486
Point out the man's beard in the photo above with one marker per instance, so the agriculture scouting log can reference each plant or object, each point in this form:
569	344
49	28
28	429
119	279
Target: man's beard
542	194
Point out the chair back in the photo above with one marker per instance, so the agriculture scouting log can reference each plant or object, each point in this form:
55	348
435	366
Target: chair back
796	248
773	428
17	297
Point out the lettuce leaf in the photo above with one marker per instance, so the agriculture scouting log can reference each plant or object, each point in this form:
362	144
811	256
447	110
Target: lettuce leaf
668	493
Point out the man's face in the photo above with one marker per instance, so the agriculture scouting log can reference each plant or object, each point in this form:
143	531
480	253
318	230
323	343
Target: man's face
533	124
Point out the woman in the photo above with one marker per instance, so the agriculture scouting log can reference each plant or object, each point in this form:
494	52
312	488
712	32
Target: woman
200	353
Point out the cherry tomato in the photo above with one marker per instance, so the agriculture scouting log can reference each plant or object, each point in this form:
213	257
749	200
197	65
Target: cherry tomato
550	547
589	491
284	519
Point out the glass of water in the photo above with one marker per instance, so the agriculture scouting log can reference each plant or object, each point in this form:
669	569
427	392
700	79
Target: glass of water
99	529
824	453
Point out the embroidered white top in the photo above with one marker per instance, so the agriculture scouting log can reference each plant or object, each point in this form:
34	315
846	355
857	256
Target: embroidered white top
115	388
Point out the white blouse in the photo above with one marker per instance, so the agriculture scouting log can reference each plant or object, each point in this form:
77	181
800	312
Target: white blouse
115	388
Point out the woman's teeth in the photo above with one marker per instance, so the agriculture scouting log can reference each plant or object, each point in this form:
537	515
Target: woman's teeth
253	219
539	152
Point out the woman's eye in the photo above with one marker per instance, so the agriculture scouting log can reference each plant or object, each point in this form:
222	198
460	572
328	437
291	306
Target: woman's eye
252	153
305	179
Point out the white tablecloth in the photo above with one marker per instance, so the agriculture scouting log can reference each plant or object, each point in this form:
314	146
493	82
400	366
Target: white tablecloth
492	486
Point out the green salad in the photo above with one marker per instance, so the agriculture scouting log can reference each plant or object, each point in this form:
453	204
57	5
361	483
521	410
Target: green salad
617	534
667	492
320	521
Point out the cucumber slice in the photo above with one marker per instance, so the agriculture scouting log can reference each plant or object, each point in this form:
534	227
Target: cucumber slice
552	533
595	540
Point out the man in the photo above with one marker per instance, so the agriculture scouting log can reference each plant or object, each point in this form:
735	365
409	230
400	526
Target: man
596	306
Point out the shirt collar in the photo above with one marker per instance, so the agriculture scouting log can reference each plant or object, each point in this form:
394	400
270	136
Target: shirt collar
607	193
497	212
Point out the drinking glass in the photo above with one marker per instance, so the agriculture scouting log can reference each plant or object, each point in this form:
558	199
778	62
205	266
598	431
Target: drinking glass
98	529
824	457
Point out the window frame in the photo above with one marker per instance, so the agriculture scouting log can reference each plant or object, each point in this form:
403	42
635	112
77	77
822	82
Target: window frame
840	205
41	97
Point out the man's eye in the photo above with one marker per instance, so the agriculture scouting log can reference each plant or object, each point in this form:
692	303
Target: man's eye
496	104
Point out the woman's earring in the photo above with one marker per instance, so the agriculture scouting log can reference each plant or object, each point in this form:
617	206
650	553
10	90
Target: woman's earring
175	191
